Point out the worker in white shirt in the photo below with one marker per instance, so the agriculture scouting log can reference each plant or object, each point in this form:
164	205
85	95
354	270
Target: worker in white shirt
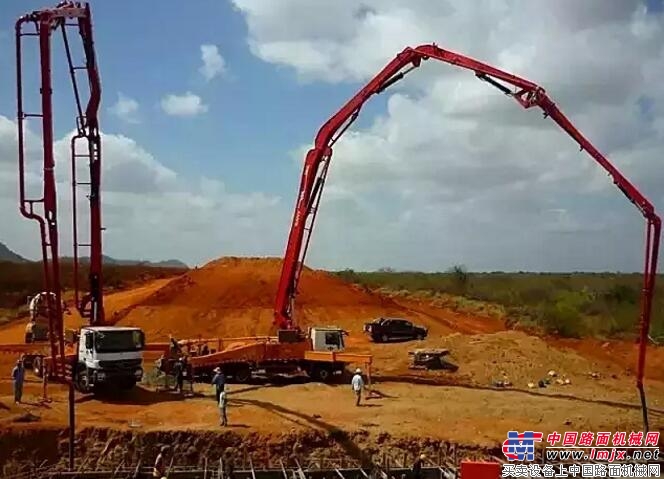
357	384
223	403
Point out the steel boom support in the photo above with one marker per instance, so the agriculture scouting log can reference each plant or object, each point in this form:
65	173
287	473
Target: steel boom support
44	209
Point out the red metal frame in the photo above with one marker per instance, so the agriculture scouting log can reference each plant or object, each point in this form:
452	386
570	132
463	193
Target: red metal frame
528	95
45	22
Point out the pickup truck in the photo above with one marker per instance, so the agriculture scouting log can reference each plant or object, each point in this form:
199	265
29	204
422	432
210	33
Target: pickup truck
385	329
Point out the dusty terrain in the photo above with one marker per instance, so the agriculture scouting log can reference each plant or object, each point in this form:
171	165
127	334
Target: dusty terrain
234	297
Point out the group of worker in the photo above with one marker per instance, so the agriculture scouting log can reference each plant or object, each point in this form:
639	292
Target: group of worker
221	398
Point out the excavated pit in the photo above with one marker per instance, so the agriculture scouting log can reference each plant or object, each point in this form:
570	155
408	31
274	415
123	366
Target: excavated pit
100	449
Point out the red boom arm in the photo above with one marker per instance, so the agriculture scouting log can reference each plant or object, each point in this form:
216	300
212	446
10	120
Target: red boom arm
44	209
527	94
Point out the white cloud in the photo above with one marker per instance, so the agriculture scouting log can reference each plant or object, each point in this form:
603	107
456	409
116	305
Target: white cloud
149	210
126	166
213	63
125	109
454	171
451	172
187	104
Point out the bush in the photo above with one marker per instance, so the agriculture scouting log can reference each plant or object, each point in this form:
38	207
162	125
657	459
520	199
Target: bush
459	279
561	319
622	293
570	304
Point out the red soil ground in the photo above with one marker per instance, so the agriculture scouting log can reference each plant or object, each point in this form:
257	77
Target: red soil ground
232	296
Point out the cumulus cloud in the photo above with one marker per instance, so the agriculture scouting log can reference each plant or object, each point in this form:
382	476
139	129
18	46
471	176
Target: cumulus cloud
453	171
149	210
126	109
213	63
187	104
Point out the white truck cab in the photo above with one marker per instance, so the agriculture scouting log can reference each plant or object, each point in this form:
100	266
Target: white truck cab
329	338
110	356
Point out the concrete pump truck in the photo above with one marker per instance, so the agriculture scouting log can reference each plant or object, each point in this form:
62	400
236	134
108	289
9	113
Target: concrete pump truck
527	95
324	343
97	354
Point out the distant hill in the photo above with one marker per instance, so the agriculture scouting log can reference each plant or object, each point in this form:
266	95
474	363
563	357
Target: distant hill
169	263
8	255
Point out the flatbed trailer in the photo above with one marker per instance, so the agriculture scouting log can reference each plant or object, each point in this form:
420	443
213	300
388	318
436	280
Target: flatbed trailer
240	357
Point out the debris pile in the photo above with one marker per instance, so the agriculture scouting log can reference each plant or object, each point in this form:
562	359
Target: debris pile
551	378
507	359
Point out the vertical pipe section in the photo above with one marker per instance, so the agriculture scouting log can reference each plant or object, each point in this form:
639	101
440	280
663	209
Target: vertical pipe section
74	214
94	154
24	203
72	424
50	192
653	232
20	118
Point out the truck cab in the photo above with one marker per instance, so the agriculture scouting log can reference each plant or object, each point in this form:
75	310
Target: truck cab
109	356
329	338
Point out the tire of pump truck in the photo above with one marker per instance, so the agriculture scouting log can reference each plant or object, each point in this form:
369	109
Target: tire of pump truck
82	382
38	366
323	374
242	374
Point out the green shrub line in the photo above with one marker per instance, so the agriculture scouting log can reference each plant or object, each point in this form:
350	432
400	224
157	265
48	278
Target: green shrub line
18	281
568	304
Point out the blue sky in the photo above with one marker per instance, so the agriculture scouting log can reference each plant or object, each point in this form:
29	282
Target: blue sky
257	113
439	171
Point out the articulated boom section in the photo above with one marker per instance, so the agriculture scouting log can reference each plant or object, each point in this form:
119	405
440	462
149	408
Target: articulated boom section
44	209
527	94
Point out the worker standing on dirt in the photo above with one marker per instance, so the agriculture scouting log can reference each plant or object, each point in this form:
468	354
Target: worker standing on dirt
18	375
219	381
357	384
223	402
159	470
178	372
29	331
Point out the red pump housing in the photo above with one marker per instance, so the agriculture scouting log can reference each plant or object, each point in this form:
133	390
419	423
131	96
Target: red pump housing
64	16
528	95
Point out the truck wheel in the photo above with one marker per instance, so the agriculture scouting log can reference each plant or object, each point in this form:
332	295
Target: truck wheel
322	374
82	382
242	374
38	366
420	337
384	338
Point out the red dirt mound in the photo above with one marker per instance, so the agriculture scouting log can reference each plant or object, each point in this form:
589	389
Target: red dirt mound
252	282
235	297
